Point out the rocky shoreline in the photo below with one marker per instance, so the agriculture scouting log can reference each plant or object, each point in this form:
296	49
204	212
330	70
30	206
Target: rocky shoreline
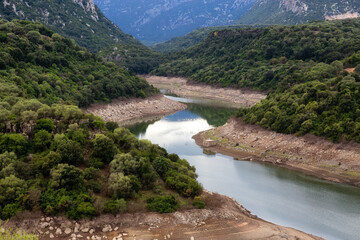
316	156
227	96
223	219
135	109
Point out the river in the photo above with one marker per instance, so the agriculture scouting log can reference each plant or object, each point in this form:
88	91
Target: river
275	194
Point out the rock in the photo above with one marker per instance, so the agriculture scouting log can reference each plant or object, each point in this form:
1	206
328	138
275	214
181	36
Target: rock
91	231
44	225
58	231
106	229
48	219
85	230
79	236
67	230
51	235
115	229
51	228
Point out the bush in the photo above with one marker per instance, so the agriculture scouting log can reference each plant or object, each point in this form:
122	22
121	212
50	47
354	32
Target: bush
42	140
67	177
44	124
103	148
198	202
115	206
70	151
162	204
13	143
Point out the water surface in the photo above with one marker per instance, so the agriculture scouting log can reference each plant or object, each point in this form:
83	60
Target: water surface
275	194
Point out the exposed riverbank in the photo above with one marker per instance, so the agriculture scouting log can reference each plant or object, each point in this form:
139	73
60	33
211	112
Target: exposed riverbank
135	109
223	219
229	96
316	156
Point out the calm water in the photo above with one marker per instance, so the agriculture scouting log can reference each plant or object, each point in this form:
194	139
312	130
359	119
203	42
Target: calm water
281	196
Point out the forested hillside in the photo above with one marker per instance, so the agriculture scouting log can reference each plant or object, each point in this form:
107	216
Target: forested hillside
262	58
326	103
38	63
80	20
55	158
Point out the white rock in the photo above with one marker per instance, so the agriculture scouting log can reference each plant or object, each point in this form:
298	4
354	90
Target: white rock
67	230
51	235
58	231
85	230
115	229
91	231
79	236
48	219
51	228
44	225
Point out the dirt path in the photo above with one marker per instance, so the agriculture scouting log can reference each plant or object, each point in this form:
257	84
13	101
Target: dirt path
224	219
135	109
316	156
182	87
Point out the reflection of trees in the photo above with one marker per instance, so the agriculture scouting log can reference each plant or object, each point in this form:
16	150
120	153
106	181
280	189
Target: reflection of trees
215	116
140	128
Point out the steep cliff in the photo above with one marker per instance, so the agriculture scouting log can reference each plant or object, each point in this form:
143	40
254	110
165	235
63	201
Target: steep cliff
299	11
77	19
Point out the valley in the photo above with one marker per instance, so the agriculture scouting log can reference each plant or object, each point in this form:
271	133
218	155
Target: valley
248	127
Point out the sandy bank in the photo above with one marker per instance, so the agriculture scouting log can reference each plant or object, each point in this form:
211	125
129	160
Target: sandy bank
312	155
182	87
131	110
224	219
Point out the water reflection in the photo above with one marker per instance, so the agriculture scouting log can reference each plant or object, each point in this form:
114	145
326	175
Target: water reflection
278	195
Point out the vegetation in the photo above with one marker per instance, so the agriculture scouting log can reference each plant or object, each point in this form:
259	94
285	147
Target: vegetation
11	234
263	58
190	39
37	63
87	26
137	59
162	204
55	158
326	104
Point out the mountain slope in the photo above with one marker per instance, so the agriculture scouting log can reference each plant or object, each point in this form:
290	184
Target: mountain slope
299	11
37	63
263	58
77	19
160	20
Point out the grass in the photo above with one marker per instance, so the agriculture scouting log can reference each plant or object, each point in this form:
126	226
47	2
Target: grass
14	234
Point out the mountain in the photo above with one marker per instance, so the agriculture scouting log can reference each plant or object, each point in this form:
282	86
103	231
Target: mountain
160	20
81	20
37	63
291	12
192	38
264	58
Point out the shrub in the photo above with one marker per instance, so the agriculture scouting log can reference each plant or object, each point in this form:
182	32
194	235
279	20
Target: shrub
44	124
115	206
198	202
42	140
70	151
13	143
103	148
162	204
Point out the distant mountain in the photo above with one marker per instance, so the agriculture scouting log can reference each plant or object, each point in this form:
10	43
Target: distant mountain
299	11
81	20
160	20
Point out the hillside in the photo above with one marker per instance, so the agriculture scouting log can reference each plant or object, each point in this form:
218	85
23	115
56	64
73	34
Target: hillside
326	104
57	159
262	58
38	63
161	20
289	12
80	20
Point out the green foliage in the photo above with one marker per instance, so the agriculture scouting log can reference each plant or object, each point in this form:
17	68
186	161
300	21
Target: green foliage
326	106
44	124
42	140
182	183
13	234
162	204
55	70
199	203
13	143
263	58
103	148
67	177
11	188
70	151
89	29
115	206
